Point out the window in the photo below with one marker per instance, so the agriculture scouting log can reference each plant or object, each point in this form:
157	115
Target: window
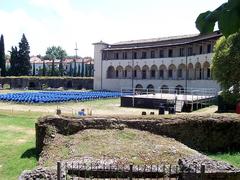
208	73
152	54
170	53
180	73
116	73
115	55
200	50
161	73
153	73
124	55
144	74
181	52
104	55
170	73
134	55
135	73
125	73
190	51
161	53
209	48
144	55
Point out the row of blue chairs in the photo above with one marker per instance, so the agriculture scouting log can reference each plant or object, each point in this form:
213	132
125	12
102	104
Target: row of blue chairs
57	97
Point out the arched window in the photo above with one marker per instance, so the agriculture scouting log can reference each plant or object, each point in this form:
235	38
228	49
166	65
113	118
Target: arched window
139	86
110	72
190	71
145	72
162	71
128	72
179	89
164	89
153	73
172	71
181	71
206	70
198	71
137	72
150	88
119	72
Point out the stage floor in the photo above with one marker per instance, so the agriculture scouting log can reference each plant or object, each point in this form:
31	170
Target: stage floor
167	96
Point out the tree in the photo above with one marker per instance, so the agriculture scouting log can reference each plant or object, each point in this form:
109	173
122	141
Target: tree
44	69
74	68
70	70
2	57
82	71
61	70
34	70
79	70
53	68
227	16
226	65
86	70
53	53
24	57
14	62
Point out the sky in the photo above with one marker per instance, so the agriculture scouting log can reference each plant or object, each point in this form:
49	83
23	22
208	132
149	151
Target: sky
66	22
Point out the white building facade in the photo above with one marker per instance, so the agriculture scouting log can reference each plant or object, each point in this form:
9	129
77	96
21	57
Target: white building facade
173	62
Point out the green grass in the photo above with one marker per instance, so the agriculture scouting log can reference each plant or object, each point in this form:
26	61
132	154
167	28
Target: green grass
231	158
17	143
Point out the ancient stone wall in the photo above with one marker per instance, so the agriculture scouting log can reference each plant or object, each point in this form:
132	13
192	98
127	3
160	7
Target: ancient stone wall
38	83
203	133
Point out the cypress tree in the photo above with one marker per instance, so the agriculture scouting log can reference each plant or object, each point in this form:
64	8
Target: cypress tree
14	62
2	57
82	71
86	70
24	58
75	69
53	68
44	69
70	71
61	67
34	70
79	72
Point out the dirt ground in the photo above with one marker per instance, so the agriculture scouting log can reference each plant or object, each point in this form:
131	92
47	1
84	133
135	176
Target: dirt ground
125	146
96	108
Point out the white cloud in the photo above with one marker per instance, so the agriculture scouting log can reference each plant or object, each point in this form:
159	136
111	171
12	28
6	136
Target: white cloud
67	25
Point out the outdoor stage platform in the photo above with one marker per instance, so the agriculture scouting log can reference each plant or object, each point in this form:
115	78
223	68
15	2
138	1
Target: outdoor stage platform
179	102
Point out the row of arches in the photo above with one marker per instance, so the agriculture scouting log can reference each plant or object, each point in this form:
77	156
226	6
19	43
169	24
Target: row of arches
192	72
164	88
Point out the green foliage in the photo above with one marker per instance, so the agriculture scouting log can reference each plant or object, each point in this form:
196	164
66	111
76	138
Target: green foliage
53	68
70	70
226	65
2	57
44	69
20	59
61	70
34	70
82	71
74	69
55	52
227	16
14	61
79	70
23	53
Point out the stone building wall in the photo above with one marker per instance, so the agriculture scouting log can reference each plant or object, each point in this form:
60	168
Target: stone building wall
38	83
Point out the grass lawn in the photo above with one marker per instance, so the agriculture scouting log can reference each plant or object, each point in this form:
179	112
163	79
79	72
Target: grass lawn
232	158
17	142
